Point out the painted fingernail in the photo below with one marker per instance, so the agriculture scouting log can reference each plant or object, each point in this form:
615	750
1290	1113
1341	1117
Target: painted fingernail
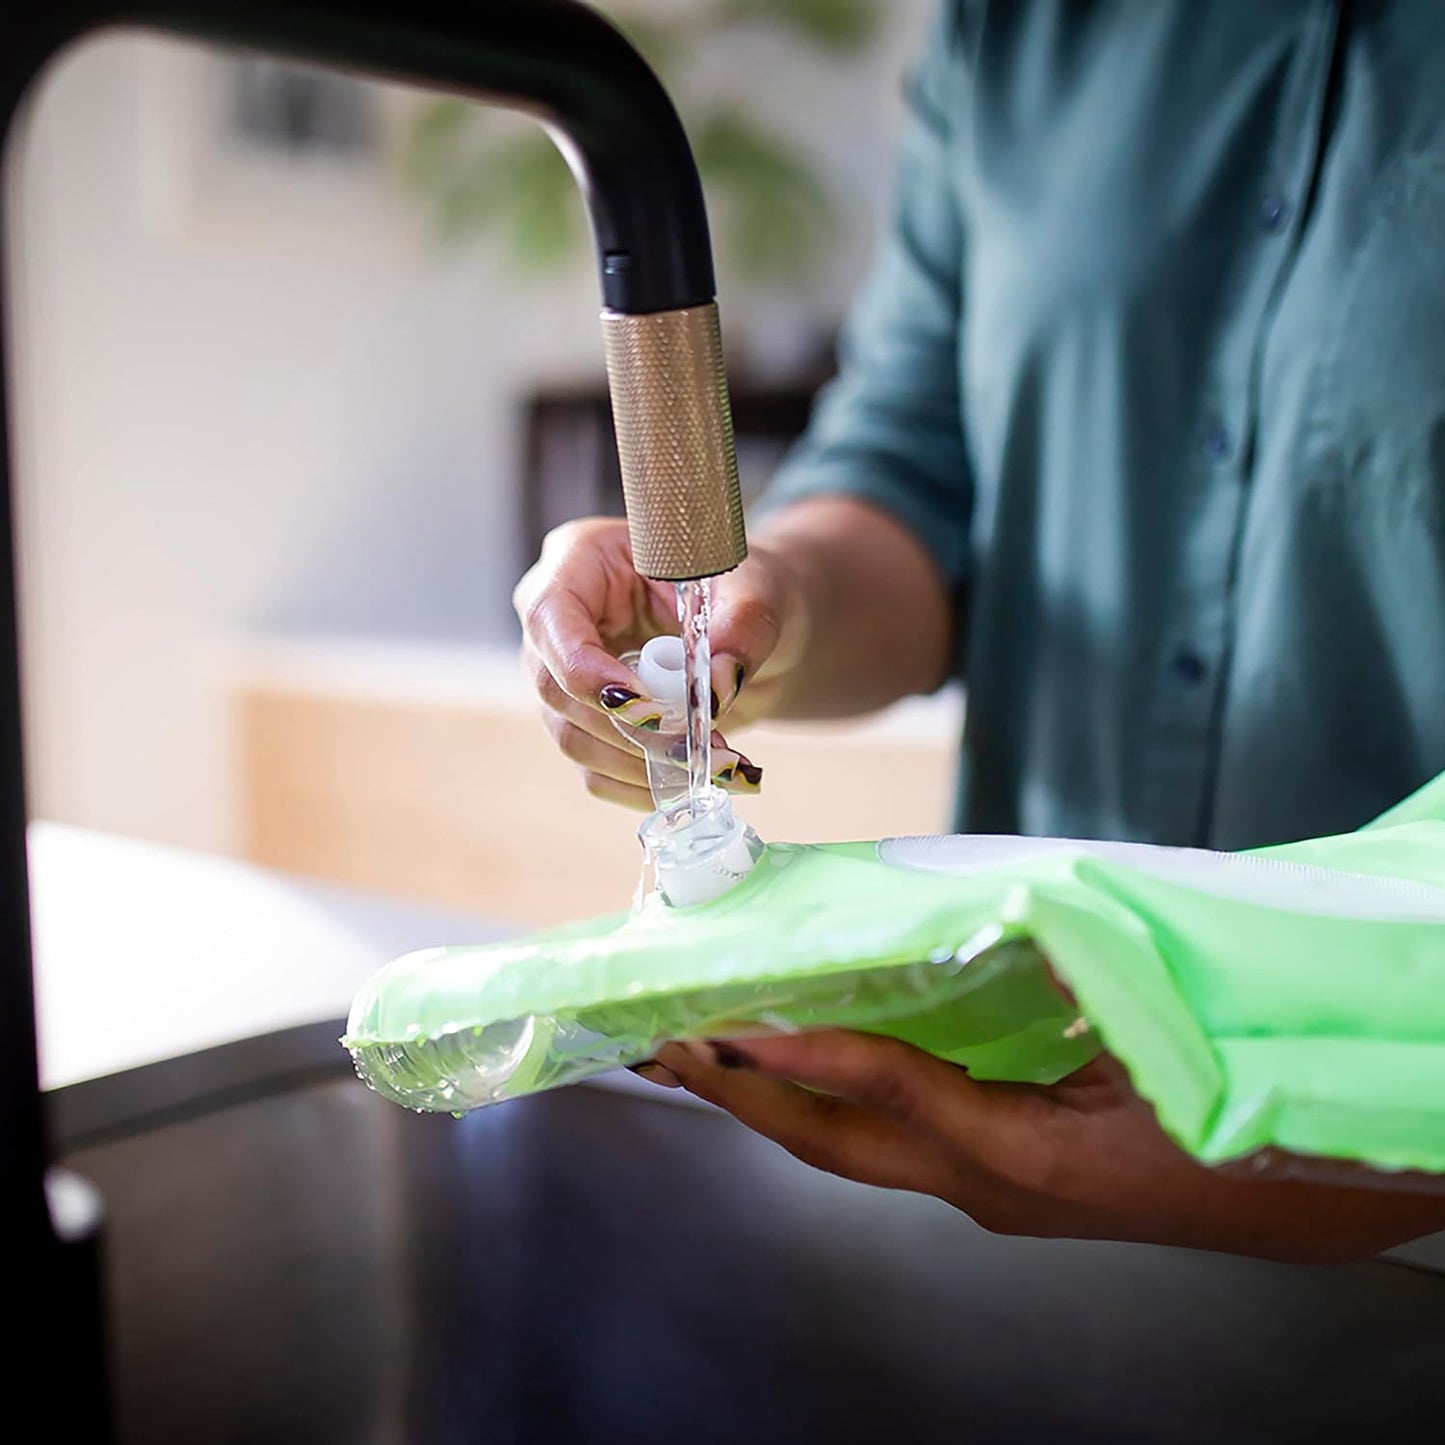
639	712
726	680
655	1073
728	1056
732	770
614	696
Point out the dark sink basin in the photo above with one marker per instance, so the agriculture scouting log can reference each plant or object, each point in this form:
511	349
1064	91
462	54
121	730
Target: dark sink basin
293	1260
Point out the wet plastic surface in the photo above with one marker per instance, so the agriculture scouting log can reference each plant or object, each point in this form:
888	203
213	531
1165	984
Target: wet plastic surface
1279	1006
980	1001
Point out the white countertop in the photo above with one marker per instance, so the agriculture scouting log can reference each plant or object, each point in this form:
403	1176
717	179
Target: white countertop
144	952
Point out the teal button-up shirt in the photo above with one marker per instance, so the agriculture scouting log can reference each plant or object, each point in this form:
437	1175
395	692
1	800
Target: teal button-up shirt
1153	361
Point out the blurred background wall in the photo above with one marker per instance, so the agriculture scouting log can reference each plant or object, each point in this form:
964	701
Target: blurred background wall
259	406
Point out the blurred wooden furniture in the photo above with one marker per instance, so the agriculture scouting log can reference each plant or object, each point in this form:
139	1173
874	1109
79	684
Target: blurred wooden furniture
425	774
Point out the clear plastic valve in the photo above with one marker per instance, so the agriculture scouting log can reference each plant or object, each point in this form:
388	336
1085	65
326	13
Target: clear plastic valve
695	847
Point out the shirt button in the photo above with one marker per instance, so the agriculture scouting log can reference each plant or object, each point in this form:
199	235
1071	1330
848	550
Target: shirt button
1216	440
1188	667
1274	211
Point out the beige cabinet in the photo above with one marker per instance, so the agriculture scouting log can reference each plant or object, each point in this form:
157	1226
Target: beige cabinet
424	773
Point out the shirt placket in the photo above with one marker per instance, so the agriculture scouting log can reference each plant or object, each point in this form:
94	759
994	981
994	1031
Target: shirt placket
1193	681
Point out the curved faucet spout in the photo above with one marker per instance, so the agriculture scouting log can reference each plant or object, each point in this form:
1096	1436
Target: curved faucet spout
558	60
562	62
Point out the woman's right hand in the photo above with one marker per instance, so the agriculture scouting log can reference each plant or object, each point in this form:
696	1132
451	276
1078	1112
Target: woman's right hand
583	605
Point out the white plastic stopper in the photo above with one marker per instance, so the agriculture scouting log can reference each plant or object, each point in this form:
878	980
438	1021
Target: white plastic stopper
660	670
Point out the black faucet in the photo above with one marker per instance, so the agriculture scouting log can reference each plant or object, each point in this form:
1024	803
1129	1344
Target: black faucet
564	64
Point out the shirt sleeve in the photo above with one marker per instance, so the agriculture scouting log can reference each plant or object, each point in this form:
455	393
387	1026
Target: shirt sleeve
888	429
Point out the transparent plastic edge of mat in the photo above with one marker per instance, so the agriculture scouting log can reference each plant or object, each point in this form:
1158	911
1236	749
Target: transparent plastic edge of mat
991	1002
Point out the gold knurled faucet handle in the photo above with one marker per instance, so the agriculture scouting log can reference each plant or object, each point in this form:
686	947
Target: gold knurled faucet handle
674	428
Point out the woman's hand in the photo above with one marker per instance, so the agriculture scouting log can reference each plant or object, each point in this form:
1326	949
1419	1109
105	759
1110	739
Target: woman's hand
583	605
1084	1158
838	610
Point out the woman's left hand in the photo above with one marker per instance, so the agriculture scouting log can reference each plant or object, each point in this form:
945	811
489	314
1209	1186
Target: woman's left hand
1084	1158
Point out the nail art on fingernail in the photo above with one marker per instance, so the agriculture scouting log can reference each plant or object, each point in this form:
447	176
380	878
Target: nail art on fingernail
639	712
614	696
732	770
656	1073
728	1056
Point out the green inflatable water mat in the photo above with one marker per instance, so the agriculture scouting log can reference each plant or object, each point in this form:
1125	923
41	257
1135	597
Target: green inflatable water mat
1290	997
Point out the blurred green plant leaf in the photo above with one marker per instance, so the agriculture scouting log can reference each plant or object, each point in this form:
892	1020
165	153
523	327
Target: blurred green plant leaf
771	211
842	26
473	180
660	42
437	132
524	187
770	207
